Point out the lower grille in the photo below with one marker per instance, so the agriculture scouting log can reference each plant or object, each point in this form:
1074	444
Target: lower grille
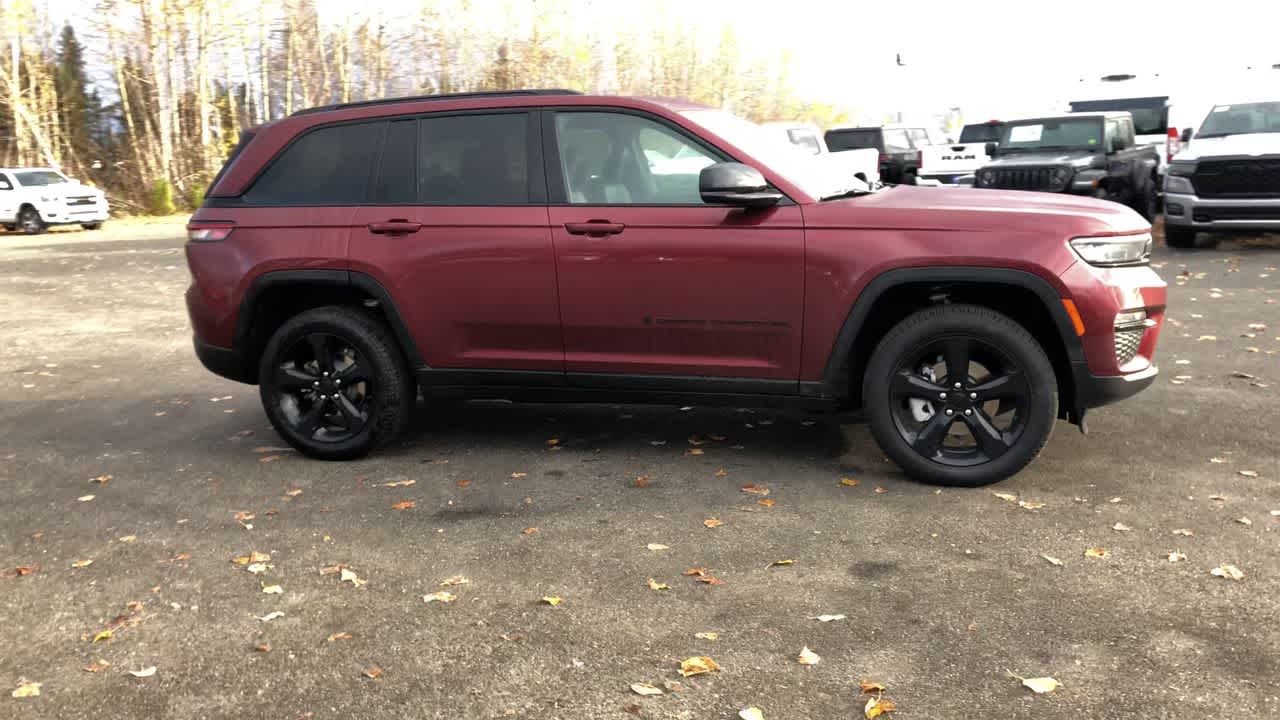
1127	342
73	201
1240	213
1244	177
1024	179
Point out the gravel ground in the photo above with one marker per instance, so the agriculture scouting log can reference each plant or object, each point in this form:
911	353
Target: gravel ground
945	593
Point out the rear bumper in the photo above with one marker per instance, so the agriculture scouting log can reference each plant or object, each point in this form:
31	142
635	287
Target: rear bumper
224	361
1095	391
1249	215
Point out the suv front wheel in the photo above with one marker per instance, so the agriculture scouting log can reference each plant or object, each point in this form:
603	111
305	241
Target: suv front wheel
334	383
960	395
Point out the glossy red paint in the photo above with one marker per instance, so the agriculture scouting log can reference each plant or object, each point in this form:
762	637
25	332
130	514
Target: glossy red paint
682	291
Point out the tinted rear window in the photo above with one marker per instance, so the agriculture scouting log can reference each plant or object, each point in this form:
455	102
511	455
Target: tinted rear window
327	166
984	133
474	160
838	140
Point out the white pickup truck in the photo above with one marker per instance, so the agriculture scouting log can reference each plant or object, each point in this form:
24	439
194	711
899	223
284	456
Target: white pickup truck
948	164
32	199
807	140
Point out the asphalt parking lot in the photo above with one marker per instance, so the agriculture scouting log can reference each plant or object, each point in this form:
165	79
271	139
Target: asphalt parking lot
118	448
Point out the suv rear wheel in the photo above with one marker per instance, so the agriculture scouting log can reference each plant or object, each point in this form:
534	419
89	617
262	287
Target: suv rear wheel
960	395
334	384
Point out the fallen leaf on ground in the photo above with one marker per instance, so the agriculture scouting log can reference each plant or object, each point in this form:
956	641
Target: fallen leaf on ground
553	442
751	713
293	493
1218	498
441	596
101	479
1006	496
258	568
1041	685
262	647
1207	337
372	673
126	538
755	489
464	483
1247	473
712	636
338	636
1121	527
878	706
270	458
529	531
519	475
273	615
694	451
273	590
881	490
698	665
102	636
827	618
351	577
455	580
656	546
1230	572
1243	375
1241	520
1097	552
641	481
1052	560
1177	556
96	666
1030	504
655	585
26	689
712	522
253	557
144	672
81	563
85	498
850	482
1185	532
404	505
721	473
645	689
767	502
777	563
399	483
808	657
870	686
551	600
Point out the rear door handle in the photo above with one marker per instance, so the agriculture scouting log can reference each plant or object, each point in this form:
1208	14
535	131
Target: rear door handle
395	227
594	228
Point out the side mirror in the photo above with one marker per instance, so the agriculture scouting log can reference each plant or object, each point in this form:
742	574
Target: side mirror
736	184
992	148
1186	135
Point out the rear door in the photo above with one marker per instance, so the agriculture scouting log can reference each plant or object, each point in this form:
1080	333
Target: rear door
456	230
653	282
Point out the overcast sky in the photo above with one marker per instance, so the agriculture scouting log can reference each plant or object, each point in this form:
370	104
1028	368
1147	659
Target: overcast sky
993	58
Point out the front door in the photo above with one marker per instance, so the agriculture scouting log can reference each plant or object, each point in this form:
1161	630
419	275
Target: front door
456	230
652	280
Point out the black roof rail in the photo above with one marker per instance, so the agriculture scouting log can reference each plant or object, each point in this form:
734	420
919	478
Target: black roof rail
442	96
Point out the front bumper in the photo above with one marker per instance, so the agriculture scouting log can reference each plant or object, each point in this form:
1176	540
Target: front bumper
62	213
1226	215
1097	390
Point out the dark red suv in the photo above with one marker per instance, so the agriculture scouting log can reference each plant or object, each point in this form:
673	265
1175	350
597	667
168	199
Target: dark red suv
550	246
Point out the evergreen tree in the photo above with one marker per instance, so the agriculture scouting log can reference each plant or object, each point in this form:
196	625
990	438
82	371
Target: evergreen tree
77	111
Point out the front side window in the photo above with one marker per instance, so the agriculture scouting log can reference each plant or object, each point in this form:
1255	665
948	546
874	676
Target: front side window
623	159
39	178
327	166
1112	137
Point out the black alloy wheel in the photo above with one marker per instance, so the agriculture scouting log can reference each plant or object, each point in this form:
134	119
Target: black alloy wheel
30	221
322	389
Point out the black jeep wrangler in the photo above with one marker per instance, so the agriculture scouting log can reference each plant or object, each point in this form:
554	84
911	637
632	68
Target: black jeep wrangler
1083	153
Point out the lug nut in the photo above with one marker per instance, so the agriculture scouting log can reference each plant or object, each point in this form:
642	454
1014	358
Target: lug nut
968	412
950	412
316	383
942	396
957	386
327	375
973	396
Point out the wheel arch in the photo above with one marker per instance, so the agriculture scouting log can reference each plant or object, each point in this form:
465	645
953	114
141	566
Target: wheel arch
893	295
275	296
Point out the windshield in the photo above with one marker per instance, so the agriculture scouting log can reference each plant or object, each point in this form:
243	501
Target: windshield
813	173
39	178
1241	119
1057	134
1150	114
853	139
984	133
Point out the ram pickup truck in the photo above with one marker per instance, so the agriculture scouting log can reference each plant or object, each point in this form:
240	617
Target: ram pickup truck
32	199
1227	179
521	246
806	140
948	164
1092	154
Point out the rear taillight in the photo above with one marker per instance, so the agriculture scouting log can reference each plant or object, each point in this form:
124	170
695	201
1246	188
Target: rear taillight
919	158
883	158
208	232
1173	145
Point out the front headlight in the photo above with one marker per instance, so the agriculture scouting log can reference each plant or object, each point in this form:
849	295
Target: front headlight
1109	251
1059	175
1178	184
1182	168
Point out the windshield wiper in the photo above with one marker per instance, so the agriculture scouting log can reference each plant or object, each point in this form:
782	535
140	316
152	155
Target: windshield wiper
852	192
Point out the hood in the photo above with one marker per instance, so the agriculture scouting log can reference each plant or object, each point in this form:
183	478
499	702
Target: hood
1074	158
906	207
1232	146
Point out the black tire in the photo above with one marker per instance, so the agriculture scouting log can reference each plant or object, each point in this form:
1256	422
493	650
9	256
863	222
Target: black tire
378	398
1148	203
1176	237
10	228
91	226
30	221
995	344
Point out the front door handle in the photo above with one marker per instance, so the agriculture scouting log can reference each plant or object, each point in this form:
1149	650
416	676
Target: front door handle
594	228
394	227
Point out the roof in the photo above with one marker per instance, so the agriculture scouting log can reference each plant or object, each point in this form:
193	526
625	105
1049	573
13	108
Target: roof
1097	115
31	169
437	97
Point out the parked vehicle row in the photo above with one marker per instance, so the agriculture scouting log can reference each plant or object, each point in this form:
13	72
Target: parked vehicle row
32	199
550	246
